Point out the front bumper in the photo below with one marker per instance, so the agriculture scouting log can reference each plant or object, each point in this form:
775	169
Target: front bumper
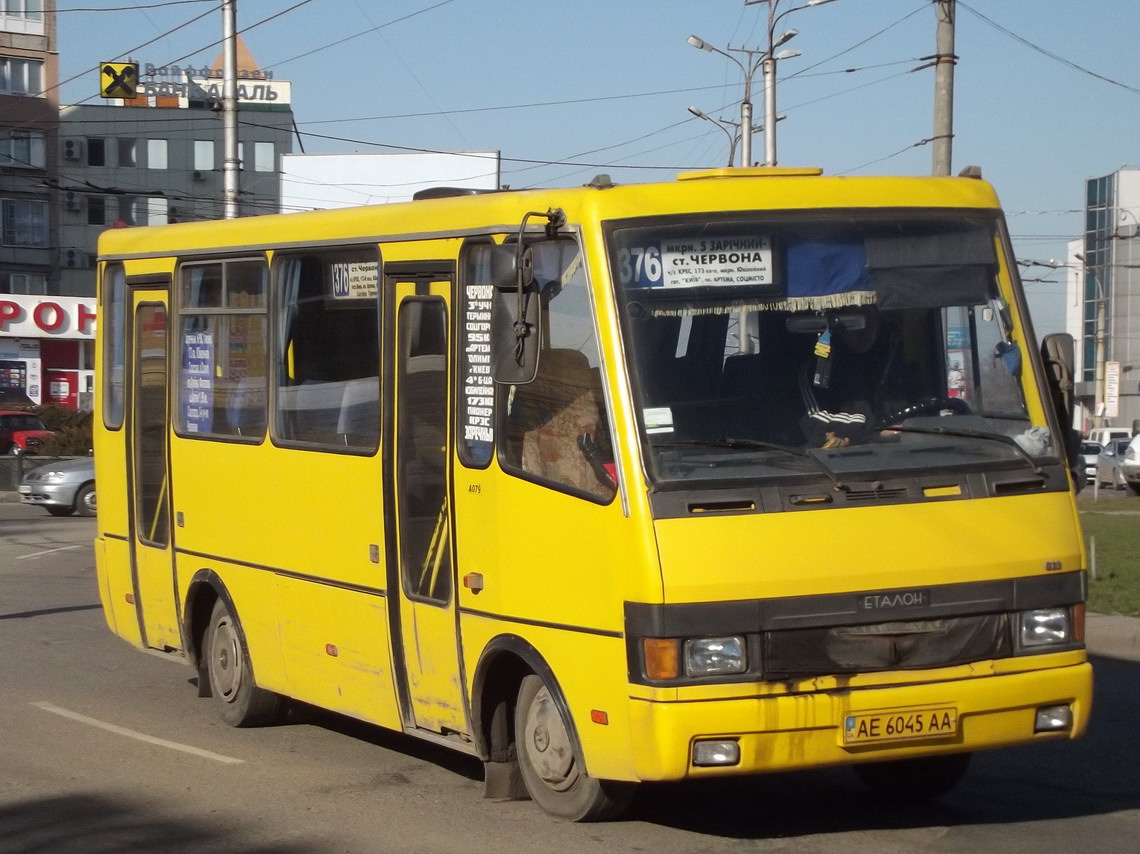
780	733
47	494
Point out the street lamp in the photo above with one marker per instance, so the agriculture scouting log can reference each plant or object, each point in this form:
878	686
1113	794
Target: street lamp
753	60
768	60
734	135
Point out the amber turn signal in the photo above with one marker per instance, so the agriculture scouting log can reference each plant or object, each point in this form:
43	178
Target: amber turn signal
662	657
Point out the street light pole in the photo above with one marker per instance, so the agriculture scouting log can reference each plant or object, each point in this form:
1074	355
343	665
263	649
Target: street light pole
769	63
944	60
231	163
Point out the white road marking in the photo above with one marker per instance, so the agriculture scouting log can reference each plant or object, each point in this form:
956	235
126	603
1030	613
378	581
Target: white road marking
47	552
130	733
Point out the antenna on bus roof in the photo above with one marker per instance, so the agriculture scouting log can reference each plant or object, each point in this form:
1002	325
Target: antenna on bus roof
601	181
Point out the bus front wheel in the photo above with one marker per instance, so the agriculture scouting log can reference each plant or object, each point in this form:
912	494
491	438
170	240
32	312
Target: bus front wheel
240	702
552	772
914	780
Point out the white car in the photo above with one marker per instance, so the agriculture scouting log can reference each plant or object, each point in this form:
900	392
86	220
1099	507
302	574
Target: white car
61	488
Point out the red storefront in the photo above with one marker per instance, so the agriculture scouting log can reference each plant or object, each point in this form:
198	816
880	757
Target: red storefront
47	348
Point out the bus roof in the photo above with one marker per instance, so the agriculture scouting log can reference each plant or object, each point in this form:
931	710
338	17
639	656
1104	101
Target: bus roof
709	191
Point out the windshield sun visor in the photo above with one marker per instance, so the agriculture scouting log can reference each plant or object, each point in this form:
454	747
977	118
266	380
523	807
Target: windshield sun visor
932	270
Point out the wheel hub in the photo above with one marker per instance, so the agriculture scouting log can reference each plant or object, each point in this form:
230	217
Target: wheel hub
548	744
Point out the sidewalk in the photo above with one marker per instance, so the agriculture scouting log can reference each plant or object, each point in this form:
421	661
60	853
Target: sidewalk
1113	635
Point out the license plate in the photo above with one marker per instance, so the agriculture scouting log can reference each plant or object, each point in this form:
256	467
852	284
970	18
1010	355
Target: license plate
25	490
900	725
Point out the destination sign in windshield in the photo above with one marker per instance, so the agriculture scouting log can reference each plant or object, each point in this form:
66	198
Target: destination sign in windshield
699	262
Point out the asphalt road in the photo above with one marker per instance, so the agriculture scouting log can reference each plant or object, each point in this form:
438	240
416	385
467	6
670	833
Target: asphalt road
107	749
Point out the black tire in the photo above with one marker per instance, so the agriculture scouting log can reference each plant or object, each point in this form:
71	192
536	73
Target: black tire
85	500
913	781
240	702
1135	487
59	511
550	768
13	450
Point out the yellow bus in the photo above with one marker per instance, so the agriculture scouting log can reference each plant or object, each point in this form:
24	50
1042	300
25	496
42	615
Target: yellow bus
747	471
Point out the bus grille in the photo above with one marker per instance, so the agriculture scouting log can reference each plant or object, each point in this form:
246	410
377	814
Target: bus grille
911	645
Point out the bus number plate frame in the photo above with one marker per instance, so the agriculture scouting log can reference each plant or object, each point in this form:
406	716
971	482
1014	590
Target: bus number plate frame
891	725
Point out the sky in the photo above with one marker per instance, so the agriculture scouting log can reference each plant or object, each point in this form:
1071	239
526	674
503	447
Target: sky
1046	93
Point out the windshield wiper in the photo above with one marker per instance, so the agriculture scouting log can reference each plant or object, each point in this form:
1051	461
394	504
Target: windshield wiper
796	452
972	434
757	445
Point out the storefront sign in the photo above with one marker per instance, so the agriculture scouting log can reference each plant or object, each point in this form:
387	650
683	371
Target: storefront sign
23	316
1112	389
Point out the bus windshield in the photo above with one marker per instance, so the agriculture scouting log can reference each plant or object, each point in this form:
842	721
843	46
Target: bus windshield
812	345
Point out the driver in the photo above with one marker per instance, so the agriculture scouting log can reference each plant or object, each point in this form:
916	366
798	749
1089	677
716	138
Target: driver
839	381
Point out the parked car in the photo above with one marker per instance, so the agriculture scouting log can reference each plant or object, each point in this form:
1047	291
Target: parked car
1130	468
22	433
1089	452
1104	435
1110	463
61	488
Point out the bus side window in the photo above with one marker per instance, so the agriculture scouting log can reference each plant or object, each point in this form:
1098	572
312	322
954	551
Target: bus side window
556	427
222	338
328	371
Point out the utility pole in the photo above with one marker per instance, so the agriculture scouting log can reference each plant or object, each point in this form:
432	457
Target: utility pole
231	163
944	60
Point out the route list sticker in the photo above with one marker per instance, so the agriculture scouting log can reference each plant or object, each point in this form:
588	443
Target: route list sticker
699	262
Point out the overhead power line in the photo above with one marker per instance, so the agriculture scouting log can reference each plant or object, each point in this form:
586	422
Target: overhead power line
1055	57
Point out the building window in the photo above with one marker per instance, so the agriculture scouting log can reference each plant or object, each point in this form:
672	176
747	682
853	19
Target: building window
20	76
263	157
156	154
127	210
25	222
127	152
23	283
23	16
23	149
203	155
96	210
96	151
157	211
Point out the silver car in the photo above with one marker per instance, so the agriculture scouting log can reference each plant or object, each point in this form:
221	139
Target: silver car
1110	463
61	488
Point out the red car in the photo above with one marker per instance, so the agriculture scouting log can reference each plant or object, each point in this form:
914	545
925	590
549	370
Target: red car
22	433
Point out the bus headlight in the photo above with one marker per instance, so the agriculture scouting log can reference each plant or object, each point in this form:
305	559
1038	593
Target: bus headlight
715	656
1046	626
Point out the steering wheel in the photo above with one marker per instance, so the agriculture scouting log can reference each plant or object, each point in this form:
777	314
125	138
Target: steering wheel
929	406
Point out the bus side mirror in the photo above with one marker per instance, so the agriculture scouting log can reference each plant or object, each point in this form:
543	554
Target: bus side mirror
515	328
1057	354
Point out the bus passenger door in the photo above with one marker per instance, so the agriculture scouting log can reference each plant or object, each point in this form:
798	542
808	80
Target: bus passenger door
421	584
148	470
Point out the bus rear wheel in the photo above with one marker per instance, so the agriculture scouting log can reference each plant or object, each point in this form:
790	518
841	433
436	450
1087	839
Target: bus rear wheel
551	770
240	702
913	781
